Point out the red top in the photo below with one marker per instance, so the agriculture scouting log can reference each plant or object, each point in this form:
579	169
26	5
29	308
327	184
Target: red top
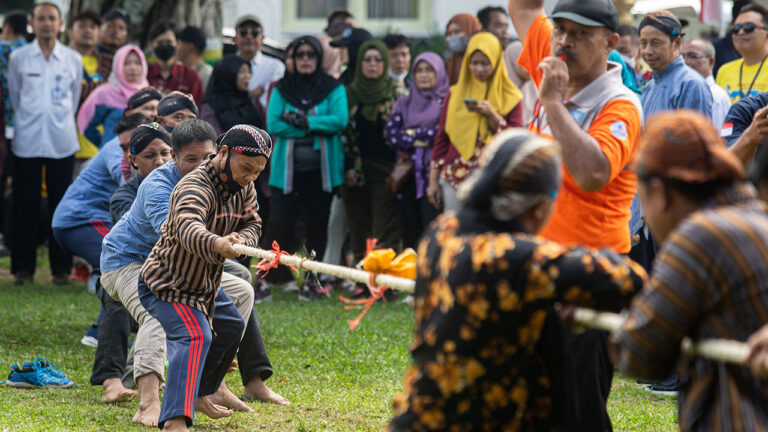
182	78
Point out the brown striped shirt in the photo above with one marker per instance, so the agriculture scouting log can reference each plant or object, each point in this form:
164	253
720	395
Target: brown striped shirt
710	280
182	266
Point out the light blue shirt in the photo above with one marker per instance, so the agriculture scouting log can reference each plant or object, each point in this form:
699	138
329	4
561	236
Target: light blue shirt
87	198
135	234
676	87
45	95
721	103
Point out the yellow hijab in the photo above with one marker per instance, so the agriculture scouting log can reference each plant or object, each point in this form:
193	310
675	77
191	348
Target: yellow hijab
462	125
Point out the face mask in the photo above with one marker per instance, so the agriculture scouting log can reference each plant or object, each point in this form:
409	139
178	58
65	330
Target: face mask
396	77
229	180
629	61
165	52
458	44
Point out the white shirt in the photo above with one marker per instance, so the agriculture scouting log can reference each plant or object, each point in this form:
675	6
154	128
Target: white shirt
44	96
264	70
720	102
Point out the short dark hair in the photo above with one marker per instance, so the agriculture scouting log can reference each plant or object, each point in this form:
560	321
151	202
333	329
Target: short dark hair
394	40
193	35
190	131
46	3
131	121
86	15
628	30
161	27
696	192
18	21
757	8
484	14
338	15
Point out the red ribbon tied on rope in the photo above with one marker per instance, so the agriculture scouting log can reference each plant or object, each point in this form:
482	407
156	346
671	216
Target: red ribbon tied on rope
380	261
267	264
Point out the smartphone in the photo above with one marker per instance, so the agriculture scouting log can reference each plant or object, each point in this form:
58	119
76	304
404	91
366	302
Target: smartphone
470	101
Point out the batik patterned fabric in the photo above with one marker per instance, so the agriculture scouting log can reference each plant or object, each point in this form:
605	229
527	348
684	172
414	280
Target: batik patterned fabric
481	301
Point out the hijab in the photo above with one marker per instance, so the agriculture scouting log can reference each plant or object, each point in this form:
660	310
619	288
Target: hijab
421	108
305	91
462	125
231	105
366	91
470	25
117	77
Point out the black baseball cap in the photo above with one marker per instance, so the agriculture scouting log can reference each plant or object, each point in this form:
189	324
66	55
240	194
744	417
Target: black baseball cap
116	14
352	36
590	13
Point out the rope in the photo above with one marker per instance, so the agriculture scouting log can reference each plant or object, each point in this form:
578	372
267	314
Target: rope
721	350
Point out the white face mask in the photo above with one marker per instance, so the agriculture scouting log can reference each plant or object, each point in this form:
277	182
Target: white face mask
396	77
629	61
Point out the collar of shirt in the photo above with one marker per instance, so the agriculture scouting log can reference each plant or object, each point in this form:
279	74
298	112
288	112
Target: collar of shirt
596	92
213	173
710	80
669	70
56	52
257	59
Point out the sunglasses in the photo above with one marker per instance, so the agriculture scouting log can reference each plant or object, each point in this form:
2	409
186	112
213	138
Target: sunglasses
310	55
747	27
244	32
693	56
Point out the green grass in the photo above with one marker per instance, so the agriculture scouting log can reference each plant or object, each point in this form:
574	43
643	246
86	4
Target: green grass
336	379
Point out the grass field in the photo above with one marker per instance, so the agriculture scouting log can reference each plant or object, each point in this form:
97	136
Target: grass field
336	379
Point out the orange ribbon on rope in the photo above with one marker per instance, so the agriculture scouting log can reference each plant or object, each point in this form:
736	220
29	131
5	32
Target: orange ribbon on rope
267	264
377	262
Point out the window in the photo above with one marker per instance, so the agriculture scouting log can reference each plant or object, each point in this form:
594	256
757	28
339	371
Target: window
410	17
403	9
318	8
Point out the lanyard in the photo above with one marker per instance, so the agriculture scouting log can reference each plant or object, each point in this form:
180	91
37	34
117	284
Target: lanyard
741	69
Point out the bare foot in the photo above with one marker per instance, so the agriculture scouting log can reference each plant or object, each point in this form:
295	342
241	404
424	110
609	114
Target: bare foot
211	410
114	391
226	398
256	390
233	366
176	424
148	414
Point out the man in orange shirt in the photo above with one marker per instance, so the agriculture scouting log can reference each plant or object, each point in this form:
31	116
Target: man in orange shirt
583	105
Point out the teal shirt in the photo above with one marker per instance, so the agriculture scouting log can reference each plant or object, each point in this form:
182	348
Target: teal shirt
326	122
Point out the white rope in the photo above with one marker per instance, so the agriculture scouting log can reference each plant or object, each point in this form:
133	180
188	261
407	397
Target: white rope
722	350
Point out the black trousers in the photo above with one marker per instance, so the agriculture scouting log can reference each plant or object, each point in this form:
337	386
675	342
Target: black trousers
415	214
115	327
373	210
307	203
25	220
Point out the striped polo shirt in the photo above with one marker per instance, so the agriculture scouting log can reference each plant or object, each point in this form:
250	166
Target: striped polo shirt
182	266
710	280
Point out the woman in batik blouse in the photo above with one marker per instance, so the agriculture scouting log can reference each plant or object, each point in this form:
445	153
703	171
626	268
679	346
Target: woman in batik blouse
486	286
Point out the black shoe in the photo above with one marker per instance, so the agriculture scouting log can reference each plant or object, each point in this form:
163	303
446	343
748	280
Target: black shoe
312	290
668	387
261	291
60	279
23	277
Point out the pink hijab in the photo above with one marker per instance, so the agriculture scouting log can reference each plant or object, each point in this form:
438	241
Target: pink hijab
115	93
117	78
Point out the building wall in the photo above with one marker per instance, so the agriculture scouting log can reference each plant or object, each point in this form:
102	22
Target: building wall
271	14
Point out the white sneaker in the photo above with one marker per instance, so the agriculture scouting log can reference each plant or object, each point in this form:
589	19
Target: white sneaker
290	287
89	341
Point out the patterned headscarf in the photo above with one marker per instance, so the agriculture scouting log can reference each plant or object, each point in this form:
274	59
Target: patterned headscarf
145	134
516	171
246	140
664	21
